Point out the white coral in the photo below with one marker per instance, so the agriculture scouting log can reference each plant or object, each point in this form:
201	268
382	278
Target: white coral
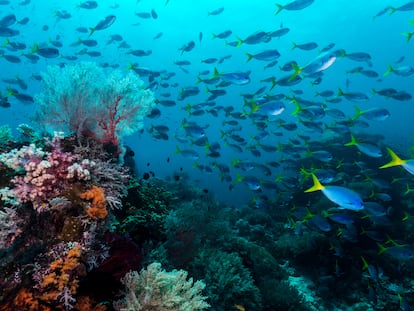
156	289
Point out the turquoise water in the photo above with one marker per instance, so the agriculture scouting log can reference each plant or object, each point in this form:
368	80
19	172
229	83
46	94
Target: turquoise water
257	163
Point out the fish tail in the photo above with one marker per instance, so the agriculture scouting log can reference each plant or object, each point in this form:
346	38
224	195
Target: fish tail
92	30
364	263
392	10
409	35
381	249
279	8
249	57
298	107
35	48
316	185
340	92
294	45
239	42
254	106
297	72
216	73
177	150
239	178
389	70
213	36
357	114
6	42
353	142
274	83
395	160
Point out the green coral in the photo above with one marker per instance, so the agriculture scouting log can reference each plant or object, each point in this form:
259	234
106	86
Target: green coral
155	289
147	206
228	281
5	135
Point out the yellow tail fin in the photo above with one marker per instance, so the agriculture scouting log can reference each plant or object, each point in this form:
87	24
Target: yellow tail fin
395	160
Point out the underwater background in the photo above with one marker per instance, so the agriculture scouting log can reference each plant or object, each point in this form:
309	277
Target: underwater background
247	108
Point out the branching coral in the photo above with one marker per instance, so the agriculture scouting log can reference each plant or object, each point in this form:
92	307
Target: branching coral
156	289
85	100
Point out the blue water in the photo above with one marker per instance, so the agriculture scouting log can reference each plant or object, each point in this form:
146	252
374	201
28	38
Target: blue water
348	24
282	226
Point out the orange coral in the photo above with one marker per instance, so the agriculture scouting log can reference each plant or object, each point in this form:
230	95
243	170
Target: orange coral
25	300
61	275
85	303
98	209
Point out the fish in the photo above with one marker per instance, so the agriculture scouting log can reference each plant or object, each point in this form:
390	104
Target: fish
187	153
8	32
88	5
352	96
144	15
272	108
305	46
238	78
187	47
319	64
252	182
268	55
222	35
294	5
368	149
403	71
255	38
278	33
344	197
158	35
45	52
217	11
372	114
103	24
409	6
8	20
408	165
154	14
11	58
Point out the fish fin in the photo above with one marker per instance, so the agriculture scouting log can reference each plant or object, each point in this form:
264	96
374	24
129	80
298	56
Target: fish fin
216	73
357	114
92	30
177	150
279	8
249	57
239	42
297	72
239	178
364	263
213	36
316	185
298	107
409	35
274	83
381	249
395	160
294	45
389	70
392	10
353	142
35	48
340	92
